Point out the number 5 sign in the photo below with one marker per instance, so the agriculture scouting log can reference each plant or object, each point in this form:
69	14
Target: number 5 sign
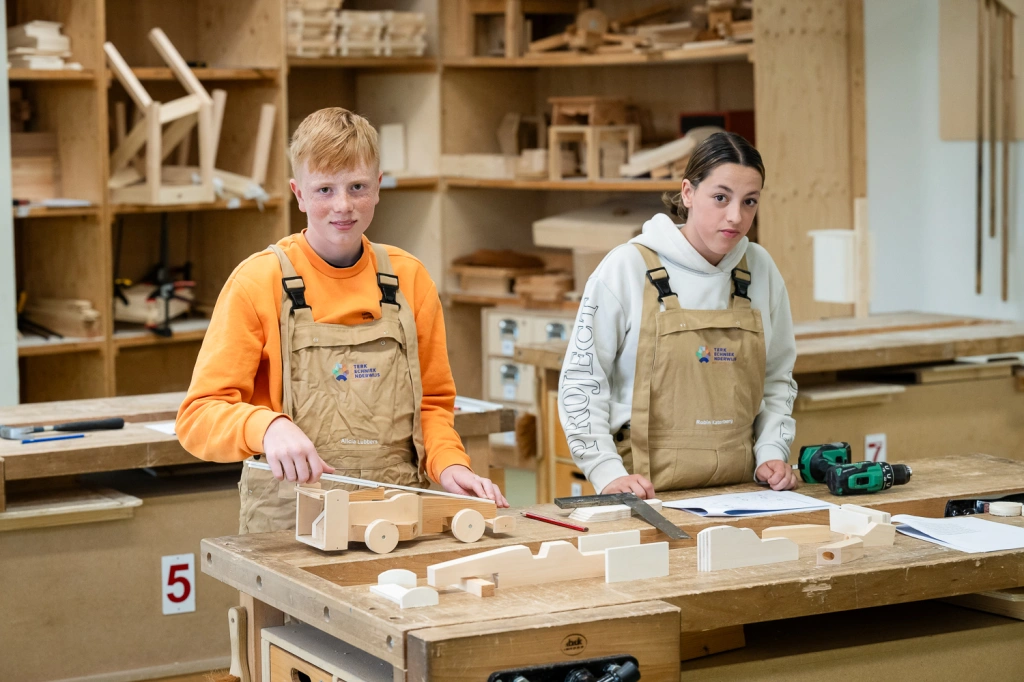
178	583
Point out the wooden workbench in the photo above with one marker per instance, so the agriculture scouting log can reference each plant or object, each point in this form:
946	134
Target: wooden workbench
84	532
330	592
836	402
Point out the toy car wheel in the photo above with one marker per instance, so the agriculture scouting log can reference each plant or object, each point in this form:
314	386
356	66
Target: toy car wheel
468	525
381	536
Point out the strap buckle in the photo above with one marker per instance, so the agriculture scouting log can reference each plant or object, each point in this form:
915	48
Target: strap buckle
660	283
740	284
388	289
296	291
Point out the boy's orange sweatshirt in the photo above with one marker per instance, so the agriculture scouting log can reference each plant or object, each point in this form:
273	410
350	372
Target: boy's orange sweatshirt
236	385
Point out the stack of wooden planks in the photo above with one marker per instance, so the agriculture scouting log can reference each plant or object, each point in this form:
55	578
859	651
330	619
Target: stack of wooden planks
35	168
313	27
39	45
65	316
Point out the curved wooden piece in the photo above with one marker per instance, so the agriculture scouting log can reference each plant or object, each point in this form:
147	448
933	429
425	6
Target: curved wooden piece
468	525
381	536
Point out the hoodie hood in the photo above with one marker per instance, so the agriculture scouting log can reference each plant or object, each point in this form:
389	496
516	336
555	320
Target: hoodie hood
664	237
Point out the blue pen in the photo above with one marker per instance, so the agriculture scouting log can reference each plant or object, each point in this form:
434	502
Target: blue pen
49	438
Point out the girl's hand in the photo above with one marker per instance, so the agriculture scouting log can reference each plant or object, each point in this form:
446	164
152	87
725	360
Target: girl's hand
778	474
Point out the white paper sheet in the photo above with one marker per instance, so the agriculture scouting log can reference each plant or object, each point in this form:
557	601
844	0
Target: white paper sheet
758	503
963	533
162	427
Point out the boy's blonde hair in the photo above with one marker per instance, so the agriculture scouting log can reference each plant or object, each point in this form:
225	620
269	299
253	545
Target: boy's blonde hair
333	139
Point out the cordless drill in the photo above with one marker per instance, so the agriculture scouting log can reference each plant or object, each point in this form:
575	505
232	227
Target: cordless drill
865	477
815	460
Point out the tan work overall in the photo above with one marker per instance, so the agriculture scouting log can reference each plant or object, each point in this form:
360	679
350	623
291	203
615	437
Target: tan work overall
354	390
698	387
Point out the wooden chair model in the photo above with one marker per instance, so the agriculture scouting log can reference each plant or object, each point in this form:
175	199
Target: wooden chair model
194	110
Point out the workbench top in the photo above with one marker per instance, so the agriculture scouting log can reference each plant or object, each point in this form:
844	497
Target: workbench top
880	341
317	587
136	445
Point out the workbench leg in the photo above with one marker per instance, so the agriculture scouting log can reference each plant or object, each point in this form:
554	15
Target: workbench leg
707	642
3	488
258	616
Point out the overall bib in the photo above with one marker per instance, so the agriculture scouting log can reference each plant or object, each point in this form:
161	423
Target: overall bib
354	390
698	387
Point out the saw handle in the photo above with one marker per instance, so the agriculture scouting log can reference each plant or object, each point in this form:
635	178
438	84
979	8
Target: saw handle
92	425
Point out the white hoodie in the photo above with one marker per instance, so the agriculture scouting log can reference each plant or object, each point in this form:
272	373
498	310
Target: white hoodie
601	357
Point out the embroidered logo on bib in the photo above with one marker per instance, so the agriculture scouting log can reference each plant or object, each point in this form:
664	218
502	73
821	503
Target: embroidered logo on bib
340	372
717	354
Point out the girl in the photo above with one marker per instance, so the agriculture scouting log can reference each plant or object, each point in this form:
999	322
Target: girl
679	372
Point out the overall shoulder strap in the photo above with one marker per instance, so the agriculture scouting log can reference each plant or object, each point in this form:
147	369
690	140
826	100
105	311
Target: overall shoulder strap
293	289
741	284
387	281
657	275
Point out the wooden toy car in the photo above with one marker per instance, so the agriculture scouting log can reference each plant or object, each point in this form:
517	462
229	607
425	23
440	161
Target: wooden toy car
330	519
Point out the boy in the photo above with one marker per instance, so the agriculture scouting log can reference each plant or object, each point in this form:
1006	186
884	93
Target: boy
327	352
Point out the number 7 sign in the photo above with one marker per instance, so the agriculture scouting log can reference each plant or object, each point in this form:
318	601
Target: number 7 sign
178	578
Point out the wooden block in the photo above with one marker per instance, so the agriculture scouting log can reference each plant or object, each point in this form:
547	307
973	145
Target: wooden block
840	552
608	512
878	535
502	524
873	514
801	534
478	587
622	564
406	597
723	547
532	164
602	541
708	642
516	565
397	576
847	521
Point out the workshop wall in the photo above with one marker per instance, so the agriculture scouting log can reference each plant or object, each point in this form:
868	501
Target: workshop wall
921	189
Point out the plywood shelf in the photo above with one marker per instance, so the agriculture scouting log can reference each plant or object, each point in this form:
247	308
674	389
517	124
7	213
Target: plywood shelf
46	212
376	63
581	185
184	331
731	53
220	205
51	75
36	345
154	73
422	182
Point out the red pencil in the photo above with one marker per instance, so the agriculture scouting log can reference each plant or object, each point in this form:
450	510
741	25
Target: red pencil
555	522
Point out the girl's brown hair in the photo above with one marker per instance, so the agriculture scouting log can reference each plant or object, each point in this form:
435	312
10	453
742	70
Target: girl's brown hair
714	151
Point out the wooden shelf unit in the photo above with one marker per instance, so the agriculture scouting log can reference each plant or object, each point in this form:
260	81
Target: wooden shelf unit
70	252
803	76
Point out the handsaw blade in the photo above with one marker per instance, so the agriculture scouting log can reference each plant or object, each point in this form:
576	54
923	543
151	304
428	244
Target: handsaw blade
639	507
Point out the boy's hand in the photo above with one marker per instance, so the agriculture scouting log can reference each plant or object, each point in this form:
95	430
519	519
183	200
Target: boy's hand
634	483
461	481
291	454
776	473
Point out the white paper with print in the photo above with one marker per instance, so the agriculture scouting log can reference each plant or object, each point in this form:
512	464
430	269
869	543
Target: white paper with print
963	533
757	503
